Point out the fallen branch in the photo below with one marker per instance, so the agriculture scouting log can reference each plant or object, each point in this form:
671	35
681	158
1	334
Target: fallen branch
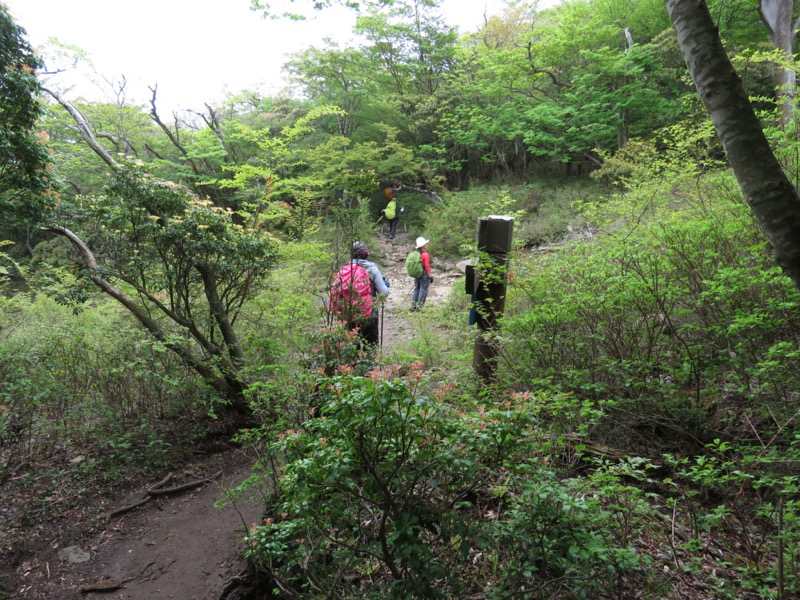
103	586
184	487
161	483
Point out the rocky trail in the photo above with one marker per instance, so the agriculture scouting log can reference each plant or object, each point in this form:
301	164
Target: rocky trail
167	540
176	545
391	258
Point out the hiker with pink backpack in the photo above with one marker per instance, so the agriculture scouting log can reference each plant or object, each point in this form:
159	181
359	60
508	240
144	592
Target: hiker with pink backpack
355	294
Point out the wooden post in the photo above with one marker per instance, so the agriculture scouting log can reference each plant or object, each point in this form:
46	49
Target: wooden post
487	282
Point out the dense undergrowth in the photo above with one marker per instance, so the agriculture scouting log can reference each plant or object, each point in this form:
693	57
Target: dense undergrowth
640	439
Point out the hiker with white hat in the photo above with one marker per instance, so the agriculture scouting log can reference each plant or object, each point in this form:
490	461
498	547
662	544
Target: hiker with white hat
418	264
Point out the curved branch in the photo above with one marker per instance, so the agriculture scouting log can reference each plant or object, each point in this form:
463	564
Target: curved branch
155	330
213	124
172	137
220	315
120	144
190	326
536	71
84	129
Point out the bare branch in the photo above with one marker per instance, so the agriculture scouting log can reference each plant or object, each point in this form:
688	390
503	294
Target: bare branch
140	315
152	151
629	37
213	124
84	128
120	144
172	137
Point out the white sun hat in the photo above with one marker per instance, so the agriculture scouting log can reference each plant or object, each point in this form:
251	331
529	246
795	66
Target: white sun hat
421	241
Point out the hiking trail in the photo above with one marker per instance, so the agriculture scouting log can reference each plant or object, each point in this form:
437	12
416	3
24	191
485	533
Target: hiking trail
390	256
181	546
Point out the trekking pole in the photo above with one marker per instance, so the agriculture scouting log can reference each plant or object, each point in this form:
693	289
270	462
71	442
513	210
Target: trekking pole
382	303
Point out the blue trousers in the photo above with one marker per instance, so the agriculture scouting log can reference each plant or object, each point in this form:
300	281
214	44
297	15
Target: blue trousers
420	291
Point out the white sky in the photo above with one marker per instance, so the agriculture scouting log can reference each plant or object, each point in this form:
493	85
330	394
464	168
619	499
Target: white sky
195	50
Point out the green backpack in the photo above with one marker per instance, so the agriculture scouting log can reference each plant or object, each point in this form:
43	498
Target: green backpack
414	264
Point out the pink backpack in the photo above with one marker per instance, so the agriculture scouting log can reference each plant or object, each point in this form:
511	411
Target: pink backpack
351	293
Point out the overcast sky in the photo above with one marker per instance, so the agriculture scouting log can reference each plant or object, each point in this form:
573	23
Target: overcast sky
194	50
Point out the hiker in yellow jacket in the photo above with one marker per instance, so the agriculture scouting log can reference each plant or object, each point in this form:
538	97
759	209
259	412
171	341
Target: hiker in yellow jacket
391	213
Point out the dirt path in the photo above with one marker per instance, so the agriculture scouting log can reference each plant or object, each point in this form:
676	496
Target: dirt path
180	546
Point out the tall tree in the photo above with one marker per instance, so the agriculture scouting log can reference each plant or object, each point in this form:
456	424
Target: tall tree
778	17
416	50
23	159
336	76
768	191
177	263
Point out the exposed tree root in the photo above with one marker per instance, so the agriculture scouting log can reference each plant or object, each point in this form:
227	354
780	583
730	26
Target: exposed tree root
159	490
108	585
248	585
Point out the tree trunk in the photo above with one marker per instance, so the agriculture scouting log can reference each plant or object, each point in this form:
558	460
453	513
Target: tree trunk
777	17
227	385
768	191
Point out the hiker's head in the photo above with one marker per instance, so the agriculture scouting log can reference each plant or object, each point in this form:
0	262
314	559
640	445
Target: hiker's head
421	242
359	250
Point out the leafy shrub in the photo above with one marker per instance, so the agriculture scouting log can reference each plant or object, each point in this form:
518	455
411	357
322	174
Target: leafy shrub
277	325
549	214
451	225
677	312
389	493
745	495
75	381
554	530
378	486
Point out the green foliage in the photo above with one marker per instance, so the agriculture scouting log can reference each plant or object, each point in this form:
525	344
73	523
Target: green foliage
142	220
79	379
655	320
389	493
446	346
451	225
279	322
556	87
556	531
360	184
371	485
186	260
351	222
716	490
277	155
550	215
342	77
345	165
128	130
684	305
335	349
23	156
